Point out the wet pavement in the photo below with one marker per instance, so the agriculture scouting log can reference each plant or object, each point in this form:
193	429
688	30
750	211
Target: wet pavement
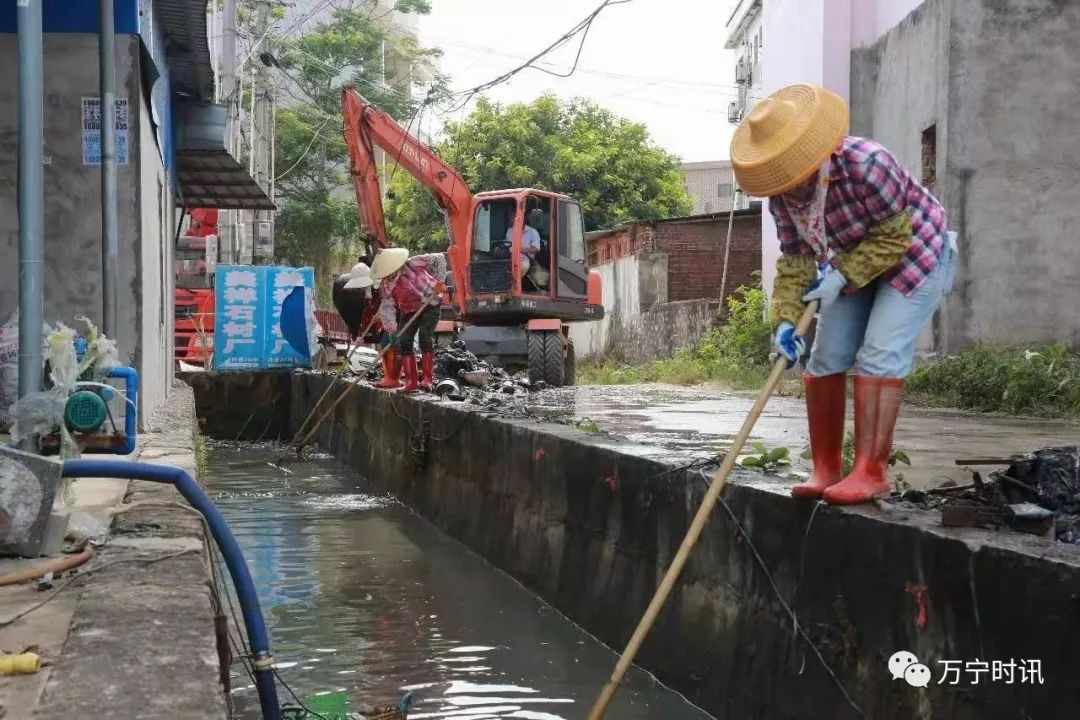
681	424
366	598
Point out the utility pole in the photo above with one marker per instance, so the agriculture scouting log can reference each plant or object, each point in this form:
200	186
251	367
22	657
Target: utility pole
230	96
109	254
262	226
31	191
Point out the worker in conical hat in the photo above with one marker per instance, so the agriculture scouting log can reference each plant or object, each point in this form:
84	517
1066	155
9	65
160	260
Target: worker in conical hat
862	237
407	286
350	292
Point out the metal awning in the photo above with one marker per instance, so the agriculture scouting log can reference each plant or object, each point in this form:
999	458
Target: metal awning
213	178
187	47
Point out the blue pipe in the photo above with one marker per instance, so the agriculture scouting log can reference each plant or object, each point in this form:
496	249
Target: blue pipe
258	639
131	390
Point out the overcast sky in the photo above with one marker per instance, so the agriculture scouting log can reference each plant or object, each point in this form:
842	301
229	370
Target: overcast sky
660	62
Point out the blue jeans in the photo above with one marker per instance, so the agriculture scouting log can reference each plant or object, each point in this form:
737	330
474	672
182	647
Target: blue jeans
875	328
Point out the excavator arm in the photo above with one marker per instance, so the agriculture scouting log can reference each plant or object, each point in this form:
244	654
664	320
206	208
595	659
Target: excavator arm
368	127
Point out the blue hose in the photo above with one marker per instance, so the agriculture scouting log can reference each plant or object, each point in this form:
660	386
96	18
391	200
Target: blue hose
131	389
258	639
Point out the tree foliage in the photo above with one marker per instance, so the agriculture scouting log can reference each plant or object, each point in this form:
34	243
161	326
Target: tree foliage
575	147
317	222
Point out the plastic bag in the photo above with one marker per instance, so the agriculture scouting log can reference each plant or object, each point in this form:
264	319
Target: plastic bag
9	363
63	367
100	355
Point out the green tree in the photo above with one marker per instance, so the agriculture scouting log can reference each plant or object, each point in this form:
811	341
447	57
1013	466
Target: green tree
575	147
317	221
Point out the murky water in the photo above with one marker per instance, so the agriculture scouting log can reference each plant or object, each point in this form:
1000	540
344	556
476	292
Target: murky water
366	598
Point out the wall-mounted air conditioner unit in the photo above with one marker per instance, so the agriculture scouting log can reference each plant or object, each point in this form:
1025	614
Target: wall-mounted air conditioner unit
733	114
742	71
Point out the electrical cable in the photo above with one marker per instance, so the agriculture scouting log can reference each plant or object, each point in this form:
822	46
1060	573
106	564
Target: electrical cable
300	159
583	25
787	608
85	574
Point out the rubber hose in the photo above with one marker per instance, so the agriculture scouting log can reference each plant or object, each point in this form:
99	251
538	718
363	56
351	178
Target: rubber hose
60	564
258	638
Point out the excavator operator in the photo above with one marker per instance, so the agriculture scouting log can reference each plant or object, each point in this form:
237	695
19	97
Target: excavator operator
530	239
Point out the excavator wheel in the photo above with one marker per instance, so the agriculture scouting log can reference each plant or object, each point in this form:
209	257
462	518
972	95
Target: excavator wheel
547	359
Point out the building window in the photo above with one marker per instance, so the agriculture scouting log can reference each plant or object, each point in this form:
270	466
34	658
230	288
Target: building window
723	190
929	157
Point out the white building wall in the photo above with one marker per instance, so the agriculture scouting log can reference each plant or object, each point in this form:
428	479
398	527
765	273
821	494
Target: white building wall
621	298
710	185
811	41
73	208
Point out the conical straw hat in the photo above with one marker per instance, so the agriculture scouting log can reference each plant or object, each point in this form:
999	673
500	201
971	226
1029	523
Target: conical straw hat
387	261
786	137
359	277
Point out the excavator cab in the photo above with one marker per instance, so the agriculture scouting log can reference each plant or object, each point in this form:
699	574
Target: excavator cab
527	257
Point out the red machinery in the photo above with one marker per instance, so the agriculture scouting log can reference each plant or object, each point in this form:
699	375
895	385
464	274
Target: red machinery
193	302
196	252
504	317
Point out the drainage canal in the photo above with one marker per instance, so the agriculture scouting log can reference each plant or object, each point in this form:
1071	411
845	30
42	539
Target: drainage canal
367	600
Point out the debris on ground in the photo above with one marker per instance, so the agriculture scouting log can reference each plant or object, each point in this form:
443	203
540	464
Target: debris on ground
1037	493
461	376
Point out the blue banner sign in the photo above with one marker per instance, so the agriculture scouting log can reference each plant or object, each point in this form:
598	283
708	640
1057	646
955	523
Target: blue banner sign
247	316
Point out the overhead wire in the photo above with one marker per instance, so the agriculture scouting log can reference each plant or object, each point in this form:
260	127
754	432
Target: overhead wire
316	136
582	27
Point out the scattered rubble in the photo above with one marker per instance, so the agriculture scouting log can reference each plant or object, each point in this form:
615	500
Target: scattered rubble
1037	493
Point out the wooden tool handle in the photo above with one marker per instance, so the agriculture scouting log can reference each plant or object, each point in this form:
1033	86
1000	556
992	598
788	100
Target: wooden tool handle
719	480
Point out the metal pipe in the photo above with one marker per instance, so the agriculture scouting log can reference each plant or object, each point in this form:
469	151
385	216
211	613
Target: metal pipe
107	63
258	638
31	197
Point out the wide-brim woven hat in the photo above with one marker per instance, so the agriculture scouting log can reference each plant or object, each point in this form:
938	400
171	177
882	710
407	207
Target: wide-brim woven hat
786	137
388	261
359	277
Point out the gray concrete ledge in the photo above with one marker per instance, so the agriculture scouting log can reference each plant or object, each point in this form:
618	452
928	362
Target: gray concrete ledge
142	642
591	526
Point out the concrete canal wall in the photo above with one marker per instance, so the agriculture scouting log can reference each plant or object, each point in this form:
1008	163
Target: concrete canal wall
590	525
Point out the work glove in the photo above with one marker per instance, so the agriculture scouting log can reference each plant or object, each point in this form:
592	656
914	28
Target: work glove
788	343
826	288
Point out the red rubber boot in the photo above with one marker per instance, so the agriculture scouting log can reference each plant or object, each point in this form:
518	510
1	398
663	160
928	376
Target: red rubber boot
427	362
877	405
408	364
391	370
826	400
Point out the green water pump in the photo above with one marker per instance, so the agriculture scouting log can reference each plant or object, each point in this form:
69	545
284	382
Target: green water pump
85	411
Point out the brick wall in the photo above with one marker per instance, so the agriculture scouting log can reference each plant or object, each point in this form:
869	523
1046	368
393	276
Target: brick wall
695	250
625	240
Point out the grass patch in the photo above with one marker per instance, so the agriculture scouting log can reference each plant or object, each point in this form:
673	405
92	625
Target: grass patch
737	353
202	458
1044	381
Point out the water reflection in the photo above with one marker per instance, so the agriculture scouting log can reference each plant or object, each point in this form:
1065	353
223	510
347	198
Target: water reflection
365	598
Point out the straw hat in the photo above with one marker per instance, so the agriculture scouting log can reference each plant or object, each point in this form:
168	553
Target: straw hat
786	137
359	277
387	261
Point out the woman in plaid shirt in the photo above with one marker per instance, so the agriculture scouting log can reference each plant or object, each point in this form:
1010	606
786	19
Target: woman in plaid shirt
407	286
859	235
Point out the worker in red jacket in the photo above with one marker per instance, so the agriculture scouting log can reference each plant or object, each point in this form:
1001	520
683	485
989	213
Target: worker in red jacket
408	286
861	237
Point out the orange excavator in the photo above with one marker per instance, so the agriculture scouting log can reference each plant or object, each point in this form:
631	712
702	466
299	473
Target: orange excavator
505	315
